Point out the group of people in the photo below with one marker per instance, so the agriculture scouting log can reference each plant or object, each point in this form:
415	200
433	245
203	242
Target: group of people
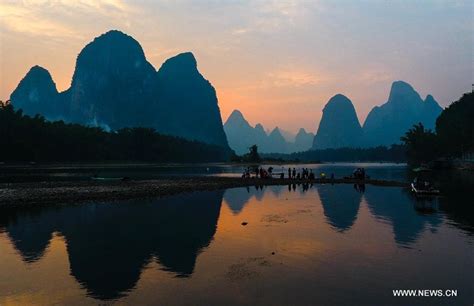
304	174
259	172
359	173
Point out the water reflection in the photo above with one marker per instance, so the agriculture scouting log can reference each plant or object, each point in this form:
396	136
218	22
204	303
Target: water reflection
29	230
458	194
108	245
277	191
237	198
396	206
341	205
355	238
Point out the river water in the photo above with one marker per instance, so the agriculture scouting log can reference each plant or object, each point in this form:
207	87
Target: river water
301	245
61	172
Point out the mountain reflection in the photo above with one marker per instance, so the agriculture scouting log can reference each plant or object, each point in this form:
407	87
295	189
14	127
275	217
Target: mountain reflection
109	244
341	205
237	198
398	207
277	190
29	230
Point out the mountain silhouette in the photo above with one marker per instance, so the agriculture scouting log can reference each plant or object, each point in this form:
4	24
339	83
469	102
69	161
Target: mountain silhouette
287	135
385	124
241	135
260	130
303	140
114	86
37	94
108	83
339	126
276	142
186	102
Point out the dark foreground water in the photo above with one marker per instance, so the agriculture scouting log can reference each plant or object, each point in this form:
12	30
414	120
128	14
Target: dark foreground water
303	245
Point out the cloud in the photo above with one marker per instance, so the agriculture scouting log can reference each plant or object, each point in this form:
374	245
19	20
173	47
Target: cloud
269	16
241	31
20	19
294	78
372	76
59	18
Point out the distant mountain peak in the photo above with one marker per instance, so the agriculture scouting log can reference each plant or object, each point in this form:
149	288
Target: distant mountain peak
401	85
276	134
276	130
38	73
38	69
36	93
114	34
303	140
180	83
181	63
279	142
111	71
385	124
236	115
337	102
339	126
112	53
236	120
402	92
260	129
302	131
430	100
187	58
113	39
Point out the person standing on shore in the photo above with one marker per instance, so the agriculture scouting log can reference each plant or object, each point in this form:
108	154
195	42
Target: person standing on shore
289	173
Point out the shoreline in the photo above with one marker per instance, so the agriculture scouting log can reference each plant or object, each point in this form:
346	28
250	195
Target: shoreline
38	193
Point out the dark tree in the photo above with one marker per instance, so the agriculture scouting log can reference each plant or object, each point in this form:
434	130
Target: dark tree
421	144
252	156
455	127
396	153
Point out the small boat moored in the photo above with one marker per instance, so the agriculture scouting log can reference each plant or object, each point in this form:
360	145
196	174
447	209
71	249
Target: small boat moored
110	179
423	189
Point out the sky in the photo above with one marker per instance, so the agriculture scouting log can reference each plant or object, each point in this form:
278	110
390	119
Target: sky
278	62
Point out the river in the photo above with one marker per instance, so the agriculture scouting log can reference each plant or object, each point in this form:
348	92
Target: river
274	245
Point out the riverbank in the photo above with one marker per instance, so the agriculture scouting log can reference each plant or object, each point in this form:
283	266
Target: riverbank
18	194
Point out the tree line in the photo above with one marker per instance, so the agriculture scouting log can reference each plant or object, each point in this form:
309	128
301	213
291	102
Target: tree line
453	136
395	153
34	139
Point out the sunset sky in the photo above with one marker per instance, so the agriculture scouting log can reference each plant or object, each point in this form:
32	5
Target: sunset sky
277	61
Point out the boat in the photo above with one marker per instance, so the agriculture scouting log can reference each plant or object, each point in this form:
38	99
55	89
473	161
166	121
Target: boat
109	179
421	169
424	192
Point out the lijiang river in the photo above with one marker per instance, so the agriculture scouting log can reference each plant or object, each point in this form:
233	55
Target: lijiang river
275	245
